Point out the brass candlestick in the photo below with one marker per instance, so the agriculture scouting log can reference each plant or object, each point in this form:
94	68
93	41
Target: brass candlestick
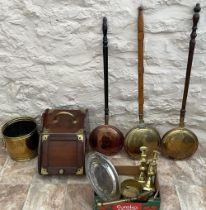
133	187
155	157
143	165
149	184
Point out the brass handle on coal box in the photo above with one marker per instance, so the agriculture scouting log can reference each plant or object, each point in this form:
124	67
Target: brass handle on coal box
70	115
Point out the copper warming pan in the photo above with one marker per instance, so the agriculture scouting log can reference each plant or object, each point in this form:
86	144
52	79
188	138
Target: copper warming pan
106	138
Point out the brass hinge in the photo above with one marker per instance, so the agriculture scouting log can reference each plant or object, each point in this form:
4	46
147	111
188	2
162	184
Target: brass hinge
80	171
44	171
80	135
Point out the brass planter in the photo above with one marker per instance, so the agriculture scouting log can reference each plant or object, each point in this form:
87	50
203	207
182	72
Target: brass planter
21	138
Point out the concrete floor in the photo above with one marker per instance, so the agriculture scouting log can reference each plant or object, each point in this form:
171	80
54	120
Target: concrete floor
182	185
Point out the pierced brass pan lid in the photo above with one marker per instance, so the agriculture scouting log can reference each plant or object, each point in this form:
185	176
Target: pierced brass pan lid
102	176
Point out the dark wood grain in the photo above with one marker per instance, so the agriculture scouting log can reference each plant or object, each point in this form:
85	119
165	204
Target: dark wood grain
106	139
62	149
189	63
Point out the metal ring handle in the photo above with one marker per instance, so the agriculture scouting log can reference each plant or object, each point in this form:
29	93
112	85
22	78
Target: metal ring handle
70	115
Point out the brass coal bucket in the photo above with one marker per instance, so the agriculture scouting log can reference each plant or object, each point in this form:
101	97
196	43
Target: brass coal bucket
20	137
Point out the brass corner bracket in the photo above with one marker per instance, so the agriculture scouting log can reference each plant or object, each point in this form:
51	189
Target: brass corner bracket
80	171
80	135
44	171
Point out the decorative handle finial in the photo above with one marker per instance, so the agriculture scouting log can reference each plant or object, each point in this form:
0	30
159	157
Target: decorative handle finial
104	26
196	18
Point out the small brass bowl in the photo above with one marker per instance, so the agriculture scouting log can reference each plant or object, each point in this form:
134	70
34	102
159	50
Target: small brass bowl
130	188
21	138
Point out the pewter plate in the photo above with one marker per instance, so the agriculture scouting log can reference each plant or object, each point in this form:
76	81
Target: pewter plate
102	176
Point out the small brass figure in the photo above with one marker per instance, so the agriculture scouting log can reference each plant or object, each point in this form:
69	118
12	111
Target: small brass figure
149	185
143	165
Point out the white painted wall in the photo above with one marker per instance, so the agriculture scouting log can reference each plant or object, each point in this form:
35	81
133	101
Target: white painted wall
51	55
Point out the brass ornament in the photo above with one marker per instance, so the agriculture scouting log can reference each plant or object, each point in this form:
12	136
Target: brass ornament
155	157
151	172
149	185
133	187
143	165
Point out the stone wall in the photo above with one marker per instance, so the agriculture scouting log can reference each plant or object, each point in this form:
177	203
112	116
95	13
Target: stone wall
51	56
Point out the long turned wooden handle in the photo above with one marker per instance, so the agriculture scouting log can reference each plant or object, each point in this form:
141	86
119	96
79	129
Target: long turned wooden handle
193	35
105	57
141	64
